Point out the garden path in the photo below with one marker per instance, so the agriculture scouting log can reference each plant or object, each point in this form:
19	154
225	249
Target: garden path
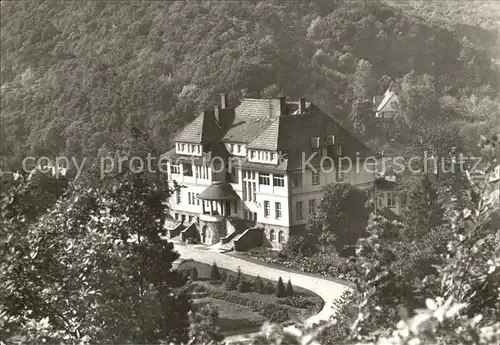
328	290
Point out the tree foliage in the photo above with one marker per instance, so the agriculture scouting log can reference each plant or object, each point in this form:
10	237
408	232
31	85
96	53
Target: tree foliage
341	216
96	254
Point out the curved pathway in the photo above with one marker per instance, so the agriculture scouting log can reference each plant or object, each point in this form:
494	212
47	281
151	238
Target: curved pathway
328	290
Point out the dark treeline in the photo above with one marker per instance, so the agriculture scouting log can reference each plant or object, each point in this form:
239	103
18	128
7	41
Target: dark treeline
76	76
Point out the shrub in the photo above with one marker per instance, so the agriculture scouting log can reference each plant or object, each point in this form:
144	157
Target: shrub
214	273
299	246
289	289
231	283
243	286
194	274
275	313
280	289
223	275
258	285
269	287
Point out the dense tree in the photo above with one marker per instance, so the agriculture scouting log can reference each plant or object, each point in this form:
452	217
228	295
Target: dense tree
97	254
425	211
203	327
341	216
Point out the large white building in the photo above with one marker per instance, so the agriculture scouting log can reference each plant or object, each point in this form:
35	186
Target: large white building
252	174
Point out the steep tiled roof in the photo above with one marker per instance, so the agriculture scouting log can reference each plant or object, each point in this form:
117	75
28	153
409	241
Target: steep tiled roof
203	128
253	107
295	134
268	138
245	129
257	123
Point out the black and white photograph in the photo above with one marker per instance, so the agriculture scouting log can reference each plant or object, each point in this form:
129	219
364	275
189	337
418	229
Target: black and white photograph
253	172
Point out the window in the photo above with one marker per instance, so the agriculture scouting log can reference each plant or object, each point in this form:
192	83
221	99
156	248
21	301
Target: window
234	175
255	216
330	139
391	200
249	191
235	206
297	179
190	219
193	148
338	150
272	235
187	169
267	209
231	148
253	175
176	216
279	180
299	209
404	199
193	198
175	169
315	178
339	174
239	148
252	154
264	179
189	198
197	200
272	156
278	210
178	196
281	237
312	206
183	147
323	152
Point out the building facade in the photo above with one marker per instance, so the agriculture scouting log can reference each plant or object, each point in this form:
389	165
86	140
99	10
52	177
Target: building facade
259	168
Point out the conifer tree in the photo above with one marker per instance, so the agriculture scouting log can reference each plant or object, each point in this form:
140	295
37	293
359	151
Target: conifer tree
214	273
425	211
289	289
259	285
280	289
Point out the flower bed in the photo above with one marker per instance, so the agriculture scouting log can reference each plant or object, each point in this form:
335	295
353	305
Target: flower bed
321	264
264	302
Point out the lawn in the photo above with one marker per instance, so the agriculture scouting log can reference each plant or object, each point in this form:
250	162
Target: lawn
233	316
244	310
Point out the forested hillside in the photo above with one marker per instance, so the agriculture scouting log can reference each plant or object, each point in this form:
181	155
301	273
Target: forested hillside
77	75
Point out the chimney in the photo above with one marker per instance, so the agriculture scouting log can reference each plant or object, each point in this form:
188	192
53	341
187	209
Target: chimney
302	105
278	106
217	113
224	102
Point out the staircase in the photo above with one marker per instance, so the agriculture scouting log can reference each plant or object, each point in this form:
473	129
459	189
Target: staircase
238	227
